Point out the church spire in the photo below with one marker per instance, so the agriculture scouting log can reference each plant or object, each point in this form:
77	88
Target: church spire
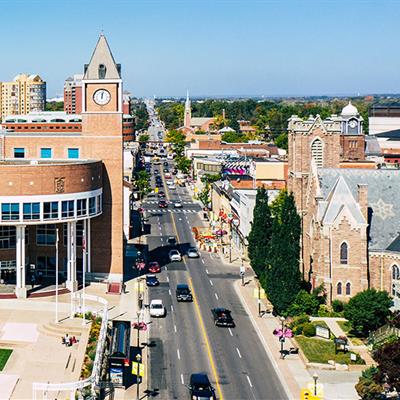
188	112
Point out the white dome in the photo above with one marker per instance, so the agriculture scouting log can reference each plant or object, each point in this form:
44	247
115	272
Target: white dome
349	110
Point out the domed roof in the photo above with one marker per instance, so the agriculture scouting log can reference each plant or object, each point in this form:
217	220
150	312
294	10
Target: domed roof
349	110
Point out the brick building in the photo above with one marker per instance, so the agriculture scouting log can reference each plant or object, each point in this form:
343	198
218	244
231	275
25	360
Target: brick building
73	94
350	220
70	183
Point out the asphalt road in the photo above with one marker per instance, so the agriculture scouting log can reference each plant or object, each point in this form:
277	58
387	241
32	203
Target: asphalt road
155	124
187	341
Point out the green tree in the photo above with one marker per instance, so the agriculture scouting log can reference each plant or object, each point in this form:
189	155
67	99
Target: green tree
144	138
54	106
234	137
368	310
282	141
178	141
183	164
142	182
304	303
283	278
260	234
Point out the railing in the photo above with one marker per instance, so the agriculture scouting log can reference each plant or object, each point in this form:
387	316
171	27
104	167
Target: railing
385	331
94	378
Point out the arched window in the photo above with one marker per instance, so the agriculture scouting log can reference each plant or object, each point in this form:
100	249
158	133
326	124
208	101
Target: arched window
344	253
339	288
317	152
395	281
102	71
348	289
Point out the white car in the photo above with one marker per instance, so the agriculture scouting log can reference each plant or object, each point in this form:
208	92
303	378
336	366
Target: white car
170	157
172	187
177	204
174	255
157	308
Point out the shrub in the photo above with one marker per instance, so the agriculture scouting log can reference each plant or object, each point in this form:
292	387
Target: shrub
324	311
299	320
298	329
309	329
304	303
337	306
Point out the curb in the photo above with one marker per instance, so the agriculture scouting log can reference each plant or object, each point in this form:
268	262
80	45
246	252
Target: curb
264	343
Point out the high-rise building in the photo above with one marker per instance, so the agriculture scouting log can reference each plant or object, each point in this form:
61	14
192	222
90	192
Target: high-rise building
24	94
73	94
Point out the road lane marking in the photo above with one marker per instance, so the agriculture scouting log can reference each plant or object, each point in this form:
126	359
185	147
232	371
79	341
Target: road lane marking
230	331
172	308
166	268
203	263
183	382
206	271
178	354
216	296
211	283
167	278
162	239
251	385
180	219
175	328
169	291
240	356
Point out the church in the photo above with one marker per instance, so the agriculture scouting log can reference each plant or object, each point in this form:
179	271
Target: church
350	216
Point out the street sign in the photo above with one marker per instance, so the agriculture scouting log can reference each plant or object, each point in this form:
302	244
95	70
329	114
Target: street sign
242	269
259	293
137	367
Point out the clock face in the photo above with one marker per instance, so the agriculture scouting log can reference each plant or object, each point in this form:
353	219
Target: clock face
353	123
101	97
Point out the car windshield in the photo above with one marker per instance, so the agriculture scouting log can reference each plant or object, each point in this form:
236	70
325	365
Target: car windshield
193	250
174	252
156	306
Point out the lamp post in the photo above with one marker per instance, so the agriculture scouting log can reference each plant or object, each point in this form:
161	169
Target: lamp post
315	377
282	338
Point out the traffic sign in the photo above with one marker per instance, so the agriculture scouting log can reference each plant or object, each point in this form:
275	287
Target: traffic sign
137	367
242	269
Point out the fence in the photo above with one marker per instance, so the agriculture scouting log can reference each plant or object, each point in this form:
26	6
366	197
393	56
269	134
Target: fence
383	332
72	387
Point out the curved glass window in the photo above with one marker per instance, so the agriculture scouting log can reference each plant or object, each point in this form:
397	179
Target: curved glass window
31	211
9	211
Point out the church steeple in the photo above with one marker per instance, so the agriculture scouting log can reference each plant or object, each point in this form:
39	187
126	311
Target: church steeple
188	112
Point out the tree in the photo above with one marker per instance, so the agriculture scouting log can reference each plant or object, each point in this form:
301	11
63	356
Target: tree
183	164
283	278
142	182
282	141
178	141
388	359
260	234
304	303
234	137
368	310
144	138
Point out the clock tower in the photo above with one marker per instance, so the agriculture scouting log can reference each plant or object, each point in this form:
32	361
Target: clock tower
102	139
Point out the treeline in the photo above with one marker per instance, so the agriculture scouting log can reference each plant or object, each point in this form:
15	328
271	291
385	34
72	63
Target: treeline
139	111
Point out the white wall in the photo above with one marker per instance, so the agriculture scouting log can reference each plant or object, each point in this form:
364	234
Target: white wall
383	124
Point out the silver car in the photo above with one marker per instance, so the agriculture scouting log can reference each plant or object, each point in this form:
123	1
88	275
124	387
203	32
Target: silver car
174	255
193	253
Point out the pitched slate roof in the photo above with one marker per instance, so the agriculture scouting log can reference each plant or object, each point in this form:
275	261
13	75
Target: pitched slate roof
383	204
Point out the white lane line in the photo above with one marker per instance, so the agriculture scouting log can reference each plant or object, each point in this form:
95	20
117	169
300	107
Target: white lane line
251	385
159	228
216	296
203	262
178	354
166	268
172	308
207	271
240	356
169	291
230	331
183	382
179	219
211	283
162	239
175	328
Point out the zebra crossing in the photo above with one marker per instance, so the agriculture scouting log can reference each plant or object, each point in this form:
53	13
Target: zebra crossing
156	202
177	210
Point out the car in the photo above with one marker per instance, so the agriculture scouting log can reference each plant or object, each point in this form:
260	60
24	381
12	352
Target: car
172	187
154	267
178	204
156	172
193	253
165	163
169	182
183	292
167	175
200	387
166	170
159	184
174	172
222	317
174	255
170	157
151	280
161	194
162	204
157	308
171	240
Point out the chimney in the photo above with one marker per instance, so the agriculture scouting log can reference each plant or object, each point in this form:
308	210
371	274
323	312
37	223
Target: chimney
362	190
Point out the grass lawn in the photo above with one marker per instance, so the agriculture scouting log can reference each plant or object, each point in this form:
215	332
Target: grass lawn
4	356
320	351
346	326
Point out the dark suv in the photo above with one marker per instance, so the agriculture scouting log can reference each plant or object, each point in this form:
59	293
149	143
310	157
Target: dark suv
183	292
200	387
223	317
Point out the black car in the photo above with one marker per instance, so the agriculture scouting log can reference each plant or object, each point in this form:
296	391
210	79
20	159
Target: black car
158	179
171	240
166	170
200	387
159	184
183	292
165	163
223	317
152	280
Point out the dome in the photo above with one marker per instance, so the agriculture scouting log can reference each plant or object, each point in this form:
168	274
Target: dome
349	110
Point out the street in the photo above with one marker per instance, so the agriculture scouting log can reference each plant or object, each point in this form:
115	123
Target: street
187	341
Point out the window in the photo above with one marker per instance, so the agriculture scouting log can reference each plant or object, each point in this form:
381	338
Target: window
348	289
81	207
73	153
46	235
19	152
317	152
31	211
46	152
67	208
99	203
395	281
7	237
343	253
10	211
102	71
339	288
46	265
92	205
50	210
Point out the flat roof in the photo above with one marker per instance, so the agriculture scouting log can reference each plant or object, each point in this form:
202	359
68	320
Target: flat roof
25	162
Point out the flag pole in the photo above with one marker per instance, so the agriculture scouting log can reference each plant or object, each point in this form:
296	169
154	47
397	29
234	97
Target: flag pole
84	269
57	276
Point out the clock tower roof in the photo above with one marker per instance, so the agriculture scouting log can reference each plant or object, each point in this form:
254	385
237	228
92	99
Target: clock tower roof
349	110
102	64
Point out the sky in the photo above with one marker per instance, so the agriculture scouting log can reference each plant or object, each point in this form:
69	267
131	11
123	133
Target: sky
210	47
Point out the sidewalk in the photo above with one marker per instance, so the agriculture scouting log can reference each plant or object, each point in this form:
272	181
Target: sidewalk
291	370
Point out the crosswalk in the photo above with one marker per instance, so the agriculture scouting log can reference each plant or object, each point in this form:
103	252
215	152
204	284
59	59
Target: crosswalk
177	210
156	202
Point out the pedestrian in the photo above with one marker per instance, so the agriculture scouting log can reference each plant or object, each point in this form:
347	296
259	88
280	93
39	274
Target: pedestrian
66	339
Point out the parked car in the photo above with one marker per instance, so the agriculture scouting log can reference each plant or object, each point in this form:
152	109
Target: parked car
174	172
152	280
183	292
178	204
223	317
174	255
161	194
159	184
162	204
171	240
156	172
165	163
170	157
166	170
172	187
157	308
200	387
154	267
193	253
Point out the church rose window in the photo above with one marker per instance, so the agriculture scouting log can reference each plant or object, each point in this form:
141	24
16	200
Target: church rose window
343	253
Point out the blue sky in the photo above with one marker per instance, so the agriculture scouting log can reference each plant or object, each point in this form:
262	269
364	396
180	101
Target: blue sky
212	47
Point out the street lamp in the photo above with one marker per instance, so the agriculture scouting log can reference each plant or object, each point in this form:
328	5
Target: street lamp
315	377
282	337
